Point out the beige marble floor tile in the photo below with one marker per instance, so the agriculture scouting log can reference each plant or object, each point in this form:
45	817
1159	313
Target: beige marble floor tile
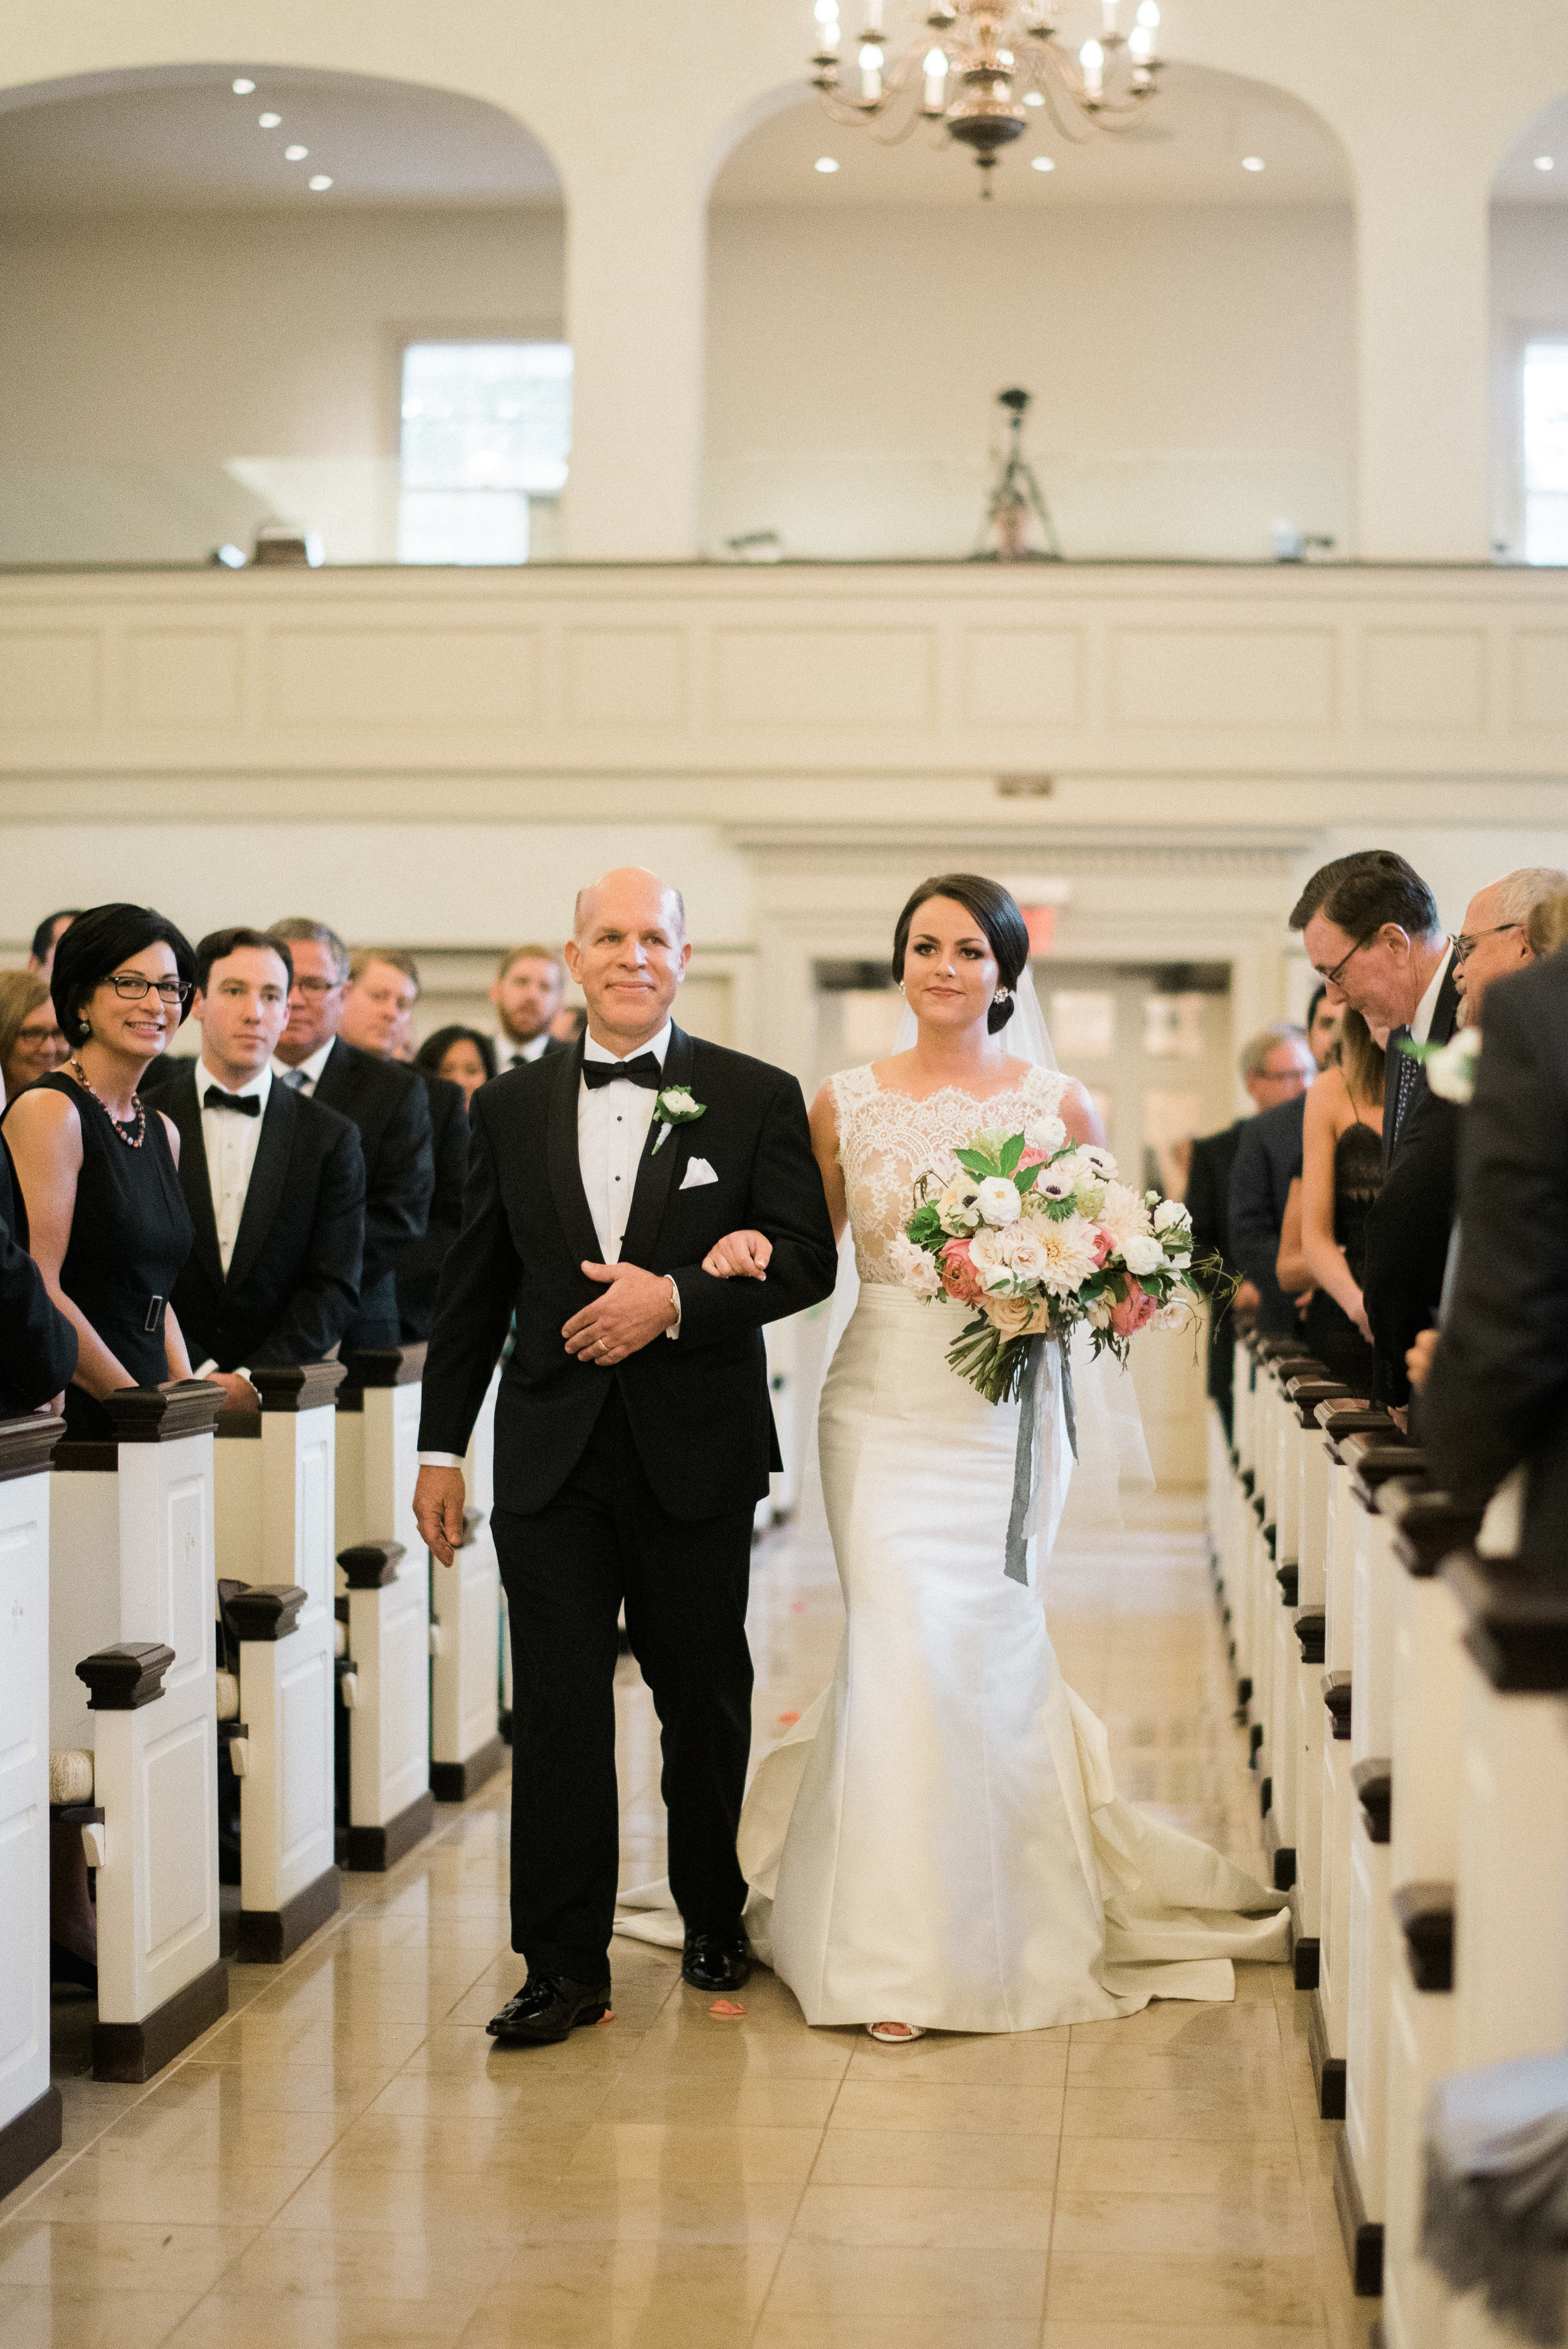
510	2140
1153	2165
32	2317
716	2100
834	2280
948	2059
927	2157
1208	2111
1232	2289
81	2260
258	2086
1073	2336
653	2149
227	2320
1249	2220
1031	2111
627	2295
930	2218
735	2051
95	2190
820	2332
517	2086
1178	2027
1235	2070
325	2265
202	2131
664	2209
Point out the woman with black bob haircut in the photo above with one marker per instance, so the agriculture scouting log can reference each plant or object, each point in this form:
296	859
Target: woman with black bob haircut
108	1226
995	911
462	1055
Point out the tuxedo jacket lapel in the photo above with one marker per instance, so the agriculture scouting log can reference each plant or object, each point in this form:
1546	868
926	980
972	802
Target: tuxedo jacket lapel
181	1101
565	1167
269	1171
656	1167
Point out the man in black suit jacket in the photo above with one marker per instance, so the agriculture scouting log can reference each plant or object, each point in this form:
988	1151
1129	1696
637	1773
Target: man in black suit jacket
633	1434
387	1101
1497	1393
38	1344
1277	1067
378	1014
1208	1183
274	1183
1412	1217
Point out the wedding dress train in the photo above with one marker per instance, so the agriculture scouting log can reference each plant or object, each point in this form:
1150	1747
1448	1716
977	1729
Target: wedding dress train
939	1838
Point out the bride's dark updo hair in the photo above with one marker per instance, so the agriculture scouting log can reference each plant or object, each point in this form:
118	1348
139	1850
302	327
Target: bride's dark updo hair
996	910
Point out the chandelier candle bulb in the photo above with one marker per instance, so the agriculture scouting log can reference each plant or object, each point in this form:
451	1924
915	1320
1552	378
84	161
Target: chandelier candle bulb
1111	10
871	60
1091	57
873	19
935	81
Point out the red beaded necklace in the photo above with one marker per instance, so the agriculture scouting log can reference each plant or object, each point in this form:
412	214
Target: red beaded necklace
131	1140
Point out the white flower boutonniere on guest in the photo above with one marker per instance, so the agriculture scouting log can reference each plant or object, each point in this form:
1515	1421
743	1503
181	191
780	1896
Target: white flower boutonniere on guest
676	1106
1451	1068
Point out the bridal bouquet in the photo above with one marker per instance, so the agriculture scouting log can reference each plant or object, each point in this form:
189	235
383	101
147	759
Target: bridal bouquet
1039	1235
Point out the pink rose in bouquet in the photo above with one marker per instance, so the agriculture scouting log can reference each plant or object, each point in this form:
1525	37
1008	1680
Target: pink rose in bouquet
959	1276
1104	1244
1135	1312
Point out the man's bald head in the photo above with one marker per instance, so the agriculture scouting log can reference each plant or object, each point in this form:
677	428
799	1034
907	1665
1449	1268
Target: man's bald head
628	953
618	887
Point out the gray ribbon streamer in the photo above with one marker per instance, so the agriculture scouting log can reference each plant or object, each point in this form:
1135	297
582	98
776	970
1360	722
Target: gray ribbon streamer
1032	1393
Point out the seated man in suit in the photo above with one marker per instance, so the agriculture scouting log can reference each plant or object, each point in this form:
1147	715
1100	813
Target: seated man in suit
378	1012
387	1101
1277	1067
1412	1218
275	1183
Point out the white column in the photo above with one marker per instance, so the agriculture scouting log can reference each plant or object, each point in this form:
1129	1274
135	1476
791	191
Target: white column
636	265
1423	239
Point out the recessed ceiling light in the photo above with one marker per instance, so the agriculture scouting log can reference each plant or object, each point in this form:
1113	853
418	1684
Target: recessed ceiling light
825	163
1546	162
1252	162
1043	164
269	121
241	89
320	183
1033	98
295	154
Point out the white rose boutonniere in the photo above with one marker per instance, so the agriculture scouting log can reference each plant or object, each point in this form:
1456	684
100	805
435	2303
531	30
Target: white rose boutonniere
675	1106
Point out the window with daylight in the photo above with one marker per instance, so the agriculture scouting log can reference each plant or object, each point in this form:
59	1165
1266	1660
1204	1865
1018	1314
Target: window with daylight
486	428
1546	447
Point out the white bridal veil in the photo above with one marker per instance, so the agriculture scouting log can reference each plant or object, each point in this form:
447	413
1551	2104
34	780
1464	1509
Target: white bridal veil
1111	1456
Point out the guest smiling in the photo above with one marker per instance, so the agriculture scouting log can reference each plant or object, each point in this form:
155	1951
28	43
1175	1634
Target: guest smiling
461	1056
98	1169
31	1043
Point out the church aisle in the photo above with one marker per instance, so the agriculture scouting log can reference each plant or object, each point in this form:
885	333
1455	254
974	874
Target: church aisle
348	2159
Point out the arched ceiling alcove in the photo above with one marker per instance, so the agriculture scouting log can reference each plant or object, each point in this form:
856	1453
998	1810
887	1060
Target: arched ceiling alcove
181	138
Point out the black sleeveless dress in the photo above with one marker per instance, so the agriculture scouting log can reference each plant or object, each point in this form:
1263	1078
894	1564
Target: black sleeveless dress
1326	1328
130	1236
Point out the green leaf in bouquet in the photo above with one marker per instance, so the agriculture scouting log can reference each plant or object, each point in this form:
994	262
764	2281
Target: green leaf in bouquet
1025	1177
926	1225
1010	1154
1060	1210
974	1162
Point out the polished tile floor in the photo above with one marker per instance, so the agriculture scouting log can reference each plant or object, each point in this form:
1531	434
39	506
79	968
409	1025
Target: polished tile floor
348	2159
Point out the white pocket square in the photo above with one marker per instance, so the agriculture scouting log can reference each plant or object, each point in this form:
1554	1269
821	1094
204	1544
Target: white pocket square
699	1172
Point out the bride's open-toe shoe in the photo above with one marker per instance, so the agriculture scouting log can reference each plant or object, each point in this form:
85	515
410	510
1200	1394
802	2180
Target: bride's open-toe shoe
893	2034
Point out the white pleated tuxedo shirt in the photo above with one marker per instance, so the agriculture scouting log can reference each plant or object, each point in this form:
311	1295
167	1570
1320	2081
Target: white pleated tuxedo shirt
231	1141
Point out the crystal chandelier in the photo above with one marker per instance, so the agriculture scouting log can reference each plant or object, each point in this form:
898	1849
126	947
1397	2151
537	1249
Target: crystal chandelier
977	67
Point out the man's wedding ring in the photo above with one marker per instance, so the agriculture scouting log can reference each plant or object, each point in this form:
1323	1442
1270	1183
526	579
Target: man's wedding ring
598	1345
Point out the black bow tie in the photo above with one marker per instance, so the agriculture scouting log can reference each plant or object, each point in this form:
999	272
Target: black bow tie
248	1104
644	1071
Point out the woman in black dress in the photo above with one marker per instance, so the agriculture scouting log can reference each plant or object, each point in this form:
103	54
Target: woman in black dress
1324	1241
109	1227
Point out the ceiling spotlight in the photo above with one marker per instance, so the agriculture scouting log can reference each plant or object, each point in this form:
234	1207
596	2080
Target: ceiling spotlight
269	121
241	89
1252	162
1546	162
295	154
1043	164
320	183
825	163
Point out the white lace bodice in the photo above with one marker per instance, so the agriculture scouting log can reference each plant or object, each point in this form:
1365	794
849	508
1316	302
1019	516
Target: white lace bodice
887	1141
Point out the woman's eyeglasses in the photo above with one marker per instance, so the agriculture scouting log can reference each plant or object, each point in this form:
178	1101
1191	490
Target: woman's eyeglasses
130	987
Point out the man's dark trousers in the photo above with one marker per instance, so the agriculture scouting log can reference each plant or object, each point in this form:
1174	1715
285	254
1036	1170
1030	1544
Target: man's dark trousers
605	1540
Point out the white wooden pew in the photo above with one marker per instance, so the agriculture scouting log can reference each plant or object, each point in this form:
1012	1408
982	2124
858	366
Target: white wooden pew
1429	1689
385	1571
1279	1359
466	1744
29	2107
1304	1388
276	1533
131	1615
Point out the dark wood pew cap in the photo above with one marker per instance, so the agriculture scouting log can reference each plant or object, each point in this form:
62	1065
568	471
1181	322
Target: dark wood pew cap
1307	1390
267	1610
27	1441
1424	1915
380	1366
127	1676
297	1386
1516	1622
371	1565
1433	1526
1353	1418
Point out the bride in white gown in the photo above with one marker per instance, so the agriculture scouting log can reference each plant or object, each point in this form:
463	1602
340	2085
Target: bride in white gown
939	1839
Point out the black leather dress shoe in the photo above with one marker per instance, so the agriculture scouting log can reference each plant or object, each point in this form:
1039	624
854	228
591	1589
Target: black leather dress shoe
717	1960
548	2008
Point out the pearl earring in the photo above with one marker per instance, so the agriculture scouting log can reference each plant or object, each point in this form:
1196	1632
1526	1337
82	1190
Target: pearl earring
1003	994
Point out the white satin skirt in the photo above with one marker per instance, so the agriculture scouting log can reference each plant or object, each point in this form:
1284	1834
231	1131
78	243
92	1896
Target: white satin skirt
939	1839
